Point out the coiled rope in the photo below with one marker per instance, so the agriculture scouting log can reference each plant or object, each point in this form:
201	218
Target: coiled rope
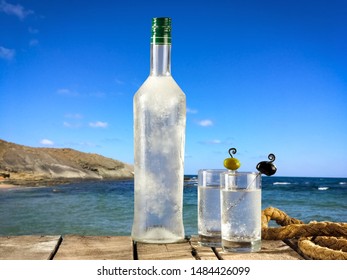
317	240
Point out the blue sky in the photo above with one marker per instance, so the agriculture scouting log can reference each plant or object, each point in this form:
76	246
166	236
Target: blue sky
261	76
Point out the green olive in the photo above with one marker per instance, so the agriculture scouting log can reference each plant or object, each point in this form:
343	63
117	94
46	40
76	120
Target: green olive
232	163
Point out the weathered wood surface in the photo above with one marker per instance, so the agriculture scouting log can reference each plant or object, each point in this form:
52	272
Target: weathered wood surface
28	247
174	251
76	247
270	250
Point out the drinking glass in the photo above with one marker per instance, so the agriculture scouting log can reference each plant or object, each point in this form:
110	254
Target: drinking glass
241	211
209	213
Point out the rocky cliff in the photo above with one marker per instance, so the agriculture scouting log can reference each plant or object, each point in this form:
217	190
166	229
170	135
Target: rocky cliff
27	165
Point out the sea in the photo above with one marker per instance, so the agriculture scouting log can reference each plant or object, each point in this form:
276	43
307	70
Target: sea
106	207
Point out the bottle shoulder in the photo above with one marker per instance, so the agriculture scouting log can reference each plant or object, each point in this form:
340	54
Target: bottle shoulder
163	85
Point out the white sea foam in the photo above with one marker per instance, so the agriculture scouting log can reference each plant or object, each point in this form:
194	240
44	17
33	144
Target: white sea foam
281	183
322	188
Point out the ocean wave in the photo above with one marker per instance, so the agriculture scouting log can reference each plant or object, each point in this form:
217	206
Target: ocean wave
342	183
323	188
281	183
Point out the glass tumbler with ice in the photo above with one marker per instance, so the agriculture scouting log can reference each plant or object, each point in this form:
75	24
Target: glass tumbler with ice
241	211
209	219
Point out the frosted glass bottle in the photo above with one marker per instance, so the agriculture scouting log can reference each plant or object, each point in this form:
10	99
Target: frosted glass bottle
159	139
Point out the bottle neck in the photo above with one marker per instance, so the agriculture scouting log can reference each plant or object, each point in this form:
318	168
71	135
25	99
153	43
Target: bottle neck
160	60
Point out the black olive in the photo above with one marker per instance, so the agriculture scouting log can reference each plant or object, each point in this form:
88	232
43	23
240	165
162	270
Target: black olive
267	167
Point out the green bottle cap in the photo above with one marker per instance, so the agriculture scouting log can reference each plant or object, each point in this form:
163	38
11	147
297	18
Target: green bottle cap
161	31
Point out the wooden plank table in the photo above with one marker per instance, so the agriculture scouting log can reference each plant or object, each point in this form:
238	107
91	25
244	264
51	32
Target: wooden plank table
77	247
28	247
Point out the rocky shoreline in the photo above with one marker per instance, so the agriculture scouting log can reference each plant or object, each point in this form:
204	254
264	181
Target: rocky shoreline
27	166
50	182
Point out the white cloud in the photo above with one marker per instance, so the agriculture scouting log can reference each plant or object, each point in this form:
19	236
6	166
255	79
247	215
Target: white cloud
7	54
47	142
72	124
215	141
67	92
192	111
15	10
33	42
205	123
81	144
119	82
98	124
67	124
73	116
211	142
63	91
33	30
98	94
73	120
